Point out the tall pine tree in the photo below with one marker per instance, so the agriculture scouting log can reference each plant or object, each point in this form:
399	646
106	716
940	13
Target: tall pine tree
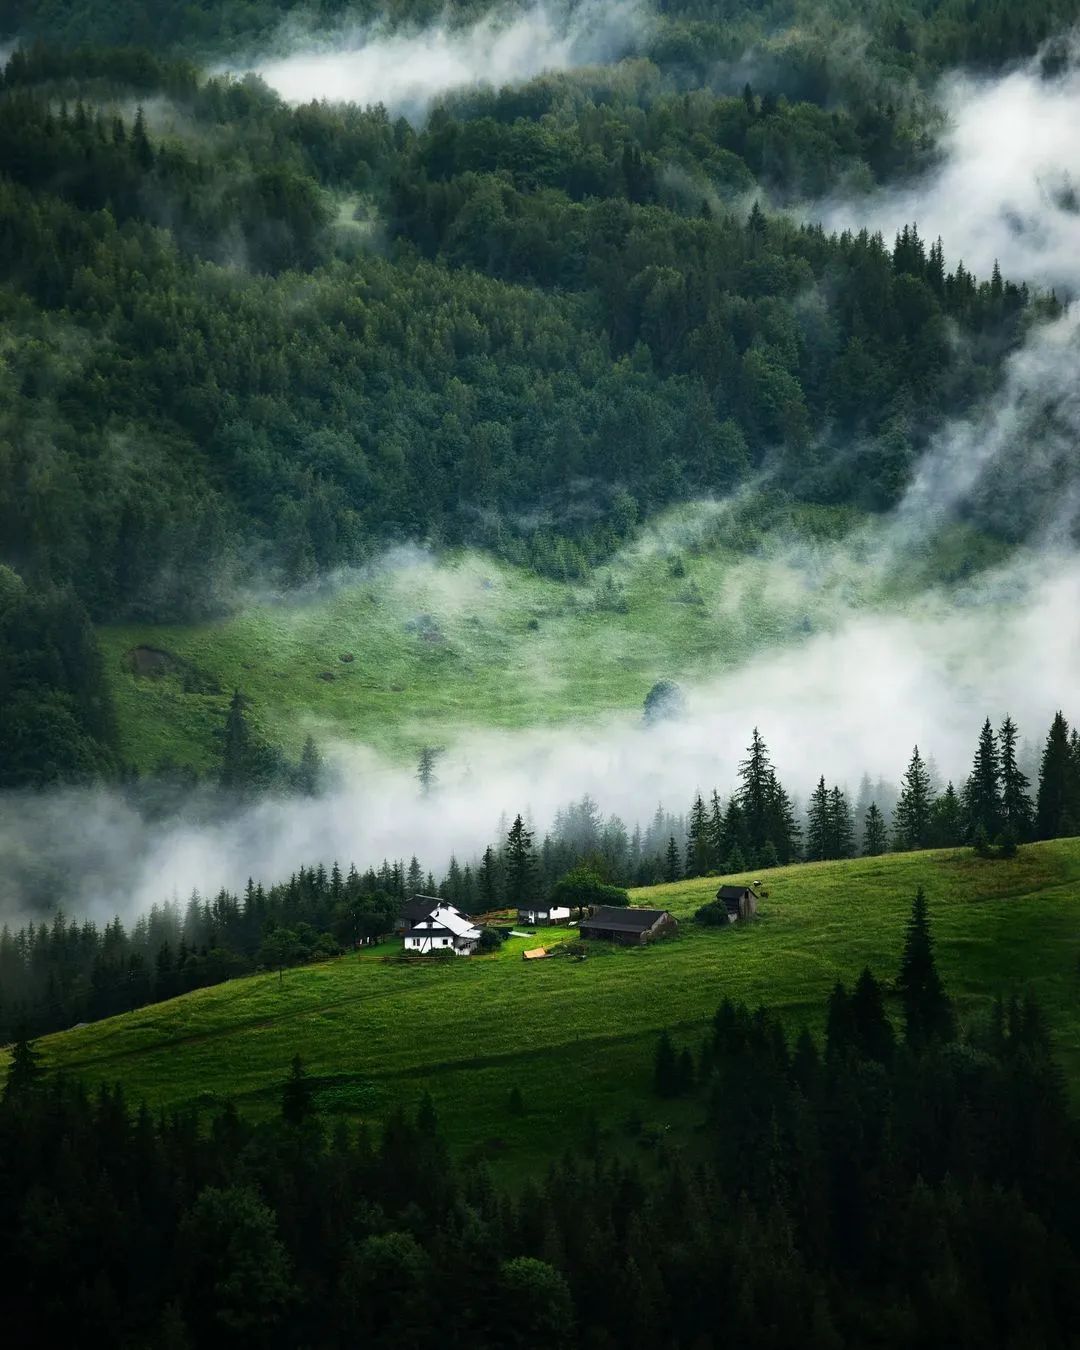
1017	814
982	791
928	1013
911	822
520	864
1057	811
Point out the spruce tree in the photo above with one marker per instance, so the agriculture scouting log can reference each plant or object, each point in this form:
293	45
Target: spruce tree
1056	811
947	820
875	841
911	822
871	1028
982	791
1017	814
755	792
487	884
697	841
841	826
672	866
236	750
520	864
782	831
818	823
309	772
24	1068
927	1011
297	1097
425	770
717	851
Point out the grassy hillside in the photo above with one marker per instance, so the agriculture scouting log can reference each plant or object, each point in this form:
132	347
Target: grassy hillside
412	652
577	1036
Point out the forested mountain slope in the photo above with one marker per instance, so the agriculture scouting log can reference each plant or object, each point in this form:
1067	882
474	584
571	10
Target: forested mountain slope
246	342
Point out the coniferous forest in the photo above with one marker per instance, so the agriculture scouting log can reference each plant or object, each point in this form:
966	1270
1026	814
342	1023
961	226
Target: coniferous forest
884	1186
251	345
251	340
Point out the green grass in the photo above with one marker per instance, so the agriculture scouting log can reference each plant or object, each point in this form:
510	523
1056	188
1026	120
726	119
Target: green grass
577	1036
436	647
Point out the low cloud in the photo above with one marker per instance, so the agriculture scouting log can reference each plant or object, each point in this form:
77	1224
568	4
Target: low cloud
406	71
851	701
1008	185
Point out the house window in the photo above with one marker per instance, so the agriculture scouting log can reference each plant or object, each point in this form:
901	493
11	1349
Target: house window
445	941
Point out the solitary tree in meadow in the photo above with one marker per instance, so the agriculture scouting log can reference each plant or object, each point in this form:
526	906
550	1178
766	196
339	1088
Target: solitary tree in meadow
928	1014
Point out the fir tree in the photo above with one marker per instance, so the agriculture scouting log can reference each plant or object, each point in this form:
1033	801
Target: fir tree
871	1028
24	1069
487	885
875	840
520	864
927	1011
982	791
672	866
947	820
841	826
1056	811
297	1097
911	822
781	828
236	750
1017	814
309	772
755	792
698	857
817	823
425	770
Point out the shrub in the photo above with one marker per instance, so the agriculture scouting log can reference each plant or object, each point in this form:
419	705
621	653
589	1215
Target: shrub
712	915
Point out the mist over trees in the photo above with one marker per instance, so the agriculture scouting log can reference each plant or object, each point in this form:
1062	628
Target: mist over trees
66	968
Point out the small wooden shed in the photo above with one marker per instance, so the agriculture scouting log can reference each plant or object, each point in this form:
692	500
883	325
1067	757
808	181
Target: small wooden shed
741	902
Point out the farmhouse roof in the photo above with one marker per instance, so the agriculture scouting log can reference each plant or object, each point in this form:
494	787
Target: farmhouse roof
619	920
446	920
421	906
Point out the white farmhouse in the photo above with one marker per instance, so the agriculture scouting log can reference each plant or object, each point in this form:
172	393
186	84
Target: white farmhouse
444	929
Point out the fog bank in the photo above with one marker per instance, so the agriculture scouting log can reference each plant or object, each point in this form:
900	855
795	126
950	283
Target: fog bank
406	71
1008	187
851	701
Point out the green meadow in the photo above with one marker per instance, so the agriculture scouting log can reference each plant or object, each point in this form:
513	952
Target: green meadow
576	1037
412	651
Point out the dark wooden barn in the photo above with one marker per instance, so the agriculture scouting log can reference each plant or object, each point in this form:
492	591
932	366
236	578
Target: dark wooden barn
741	902
628	927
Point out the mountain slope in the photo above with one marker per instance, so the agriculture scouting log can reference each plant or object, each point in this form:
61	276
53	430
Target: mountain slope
577	1037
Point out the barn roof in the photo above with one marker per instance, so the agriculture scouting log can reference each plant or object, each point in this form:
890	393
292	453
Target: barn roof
618	920
734	892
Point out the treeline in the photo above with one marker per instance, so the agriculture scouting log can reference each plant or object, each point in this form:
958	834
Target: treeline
59	972
794	42
920	1187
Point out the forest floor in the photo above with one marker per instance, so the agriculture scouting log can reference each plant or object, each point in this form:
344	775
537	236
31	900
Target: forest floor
417	649
577	1037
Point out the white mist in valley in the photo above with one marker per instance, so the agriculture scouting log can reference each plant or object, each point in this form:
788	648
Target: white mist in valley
846	702
1007	189
406	70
